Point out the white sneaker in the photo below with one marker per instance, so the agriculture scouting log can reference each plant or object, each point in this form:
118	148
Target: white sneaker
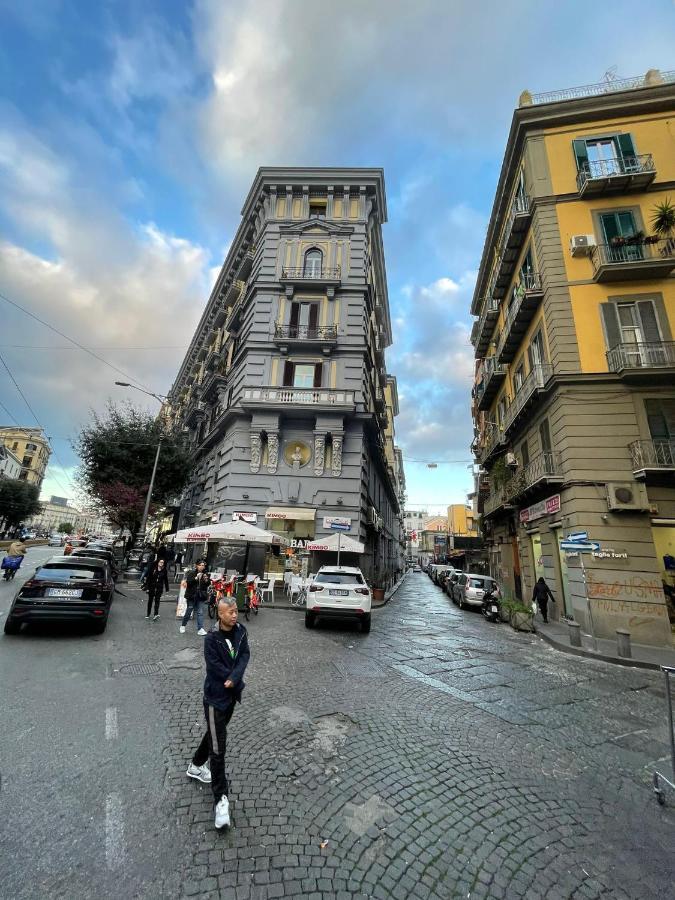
154	618
199	773
201	632
182	629
223	813
147	617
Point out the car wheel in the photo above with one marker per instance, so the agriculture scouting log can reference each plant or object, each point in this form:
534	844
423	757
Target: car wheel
309	620
12	626
365	624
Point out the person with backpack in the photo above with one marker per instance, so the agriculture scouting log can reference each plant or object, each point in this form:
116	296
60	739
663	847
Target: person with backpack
157	582
196	586
540	596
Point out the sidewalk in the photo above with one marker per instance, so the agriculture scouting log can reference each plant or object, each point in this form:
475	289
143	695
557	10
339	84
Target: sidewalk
644	657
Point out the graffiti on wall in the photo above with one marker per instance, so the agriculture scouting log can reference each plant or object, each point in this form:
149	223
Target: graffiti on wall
623	586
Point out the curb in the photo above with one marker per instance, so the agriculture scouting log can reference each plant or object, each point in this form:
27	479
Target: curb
591	654
391	594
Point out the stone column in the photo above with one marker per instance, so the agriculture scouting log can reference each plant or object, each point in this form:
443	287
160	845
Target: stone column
305	201
336	467
256	451
330	211
319	453
272	451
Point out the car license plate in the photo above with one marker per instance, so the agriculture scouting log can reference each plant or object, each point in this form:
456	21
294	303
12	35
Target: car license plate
494	608
338	593
64	592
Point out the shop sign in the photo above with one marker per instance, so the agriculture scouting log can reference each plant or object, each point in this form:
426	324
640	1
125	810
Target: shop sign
337	523
197	537
301	543
543	508
608	553
250	517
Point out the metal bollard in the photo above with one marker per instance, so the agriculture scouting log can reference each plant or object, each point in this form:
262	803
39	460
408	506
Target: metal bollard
575	634
623	643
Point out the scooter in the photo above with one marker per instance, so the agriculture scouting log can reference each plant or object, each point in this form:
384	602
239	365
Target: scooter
490	608
10	566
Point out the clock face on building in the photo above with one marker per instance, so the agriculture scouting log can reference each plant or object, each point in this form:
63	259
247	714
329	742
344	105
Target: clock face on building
297	454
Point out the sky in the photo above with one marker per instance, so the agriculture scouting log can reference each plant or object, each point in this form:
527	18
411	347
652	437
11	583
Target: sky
130	134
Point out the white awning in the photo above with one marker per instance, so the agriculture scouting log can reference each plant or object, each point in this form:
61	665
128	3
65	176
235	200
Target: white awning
234	532
295	513
330	544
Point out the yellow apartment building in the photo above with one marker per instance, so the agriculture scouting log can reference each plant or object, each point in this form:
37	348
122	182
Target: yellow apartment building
574	398
32	449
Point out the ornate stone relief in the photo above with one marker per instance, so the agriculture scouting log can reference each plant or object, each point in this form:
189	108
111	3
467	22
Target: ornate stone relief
256	451
337	455
272	451
319	453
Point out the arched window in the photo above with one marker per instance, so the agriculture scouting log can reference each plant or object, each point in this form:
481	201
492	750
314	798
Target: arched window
313	261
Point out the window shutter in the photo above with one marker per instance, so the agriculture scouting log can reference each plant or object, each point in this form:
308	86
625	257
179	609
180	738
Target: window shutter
313	315
610	320
318	371
656	419
295	312
581	153
626	148
610	226
545	435
525	453
649	322
288	373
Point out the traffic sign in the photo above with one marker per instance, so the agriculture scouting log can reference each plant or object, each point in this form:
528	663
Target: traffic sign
577	536
580	546
338	526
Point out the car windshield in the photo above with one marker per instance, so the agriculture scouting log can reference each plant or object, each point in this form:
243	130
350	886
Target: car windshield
339	578
68	573
477	582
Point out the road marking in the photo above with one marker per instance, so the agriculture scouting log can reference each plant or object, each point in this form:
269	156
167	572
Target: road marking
114	831
111	731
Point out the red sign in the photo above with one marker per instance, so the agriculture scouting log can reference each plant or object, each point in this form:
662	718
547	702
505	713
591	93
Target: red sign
543	508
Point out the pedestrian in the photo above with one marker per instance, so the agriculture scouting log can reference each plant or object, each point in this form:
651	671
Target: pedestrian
227	654
540	596
196	585
177	563
157	582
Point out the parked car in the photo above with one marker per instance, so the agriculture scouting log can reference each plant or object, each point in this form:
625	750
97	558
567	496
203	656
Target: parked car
470	587
450	582
443	574
64	589
417	568
339	592
95	552
56	540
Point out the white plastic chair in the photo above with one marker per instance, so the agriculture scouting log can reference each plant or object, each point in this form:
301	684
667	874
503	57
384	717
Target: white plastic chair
267	589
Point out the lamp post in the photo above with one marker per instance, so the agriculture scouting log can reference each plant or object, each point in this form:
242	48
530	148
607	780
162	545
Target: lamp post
134	558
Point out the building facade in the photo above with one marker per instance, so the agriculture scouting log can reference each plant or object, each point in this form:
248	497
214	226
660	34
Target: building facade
574	397
31	447
54	512
413	523
10	464
284	392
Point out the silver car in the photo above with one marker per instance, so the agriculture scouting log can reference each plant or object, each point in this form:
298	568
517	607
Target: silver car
470	588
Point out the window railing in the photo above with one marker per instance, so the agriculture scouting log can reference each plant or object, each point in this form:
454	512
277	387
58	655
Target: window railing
603	87
658	454
639	164
490	309
312	273
494	437
536	380
530	283
490	367
630	250
542	467
653	354
306	332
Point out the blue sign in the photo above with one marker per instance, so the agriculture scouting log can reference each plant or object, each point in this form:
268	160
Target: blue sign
577	536
580	546
337	526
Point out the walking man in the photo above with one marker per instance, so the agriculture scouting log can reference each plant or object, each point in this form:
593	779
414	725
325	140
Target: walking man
540	596
227	654
157	583
196	586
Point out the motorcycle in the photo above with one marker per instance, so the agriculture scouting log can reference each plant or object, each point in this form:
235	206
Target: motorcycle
10	566
490	607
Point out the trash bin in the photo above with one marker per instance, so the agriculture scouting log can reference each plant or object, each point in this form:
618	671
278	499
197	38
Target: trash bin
240	595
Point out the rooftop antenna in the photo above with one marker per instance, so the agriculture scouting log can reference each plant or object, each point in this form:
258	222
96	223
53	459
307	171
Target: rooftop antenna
610	75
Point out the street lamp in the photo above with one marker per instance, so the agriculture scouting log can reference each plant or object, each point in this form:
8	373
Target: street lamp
136	552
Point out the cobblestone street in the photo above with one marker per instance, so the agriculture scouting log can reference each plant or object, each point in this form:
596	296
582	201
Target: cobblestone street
439	756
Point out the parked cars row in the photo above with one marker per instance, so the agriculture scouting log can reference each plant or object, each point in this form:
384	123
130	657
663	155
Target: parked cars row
463	588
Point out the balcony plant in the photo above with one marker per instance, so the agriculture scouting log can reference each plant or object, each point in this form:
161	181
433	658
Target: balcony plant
663	223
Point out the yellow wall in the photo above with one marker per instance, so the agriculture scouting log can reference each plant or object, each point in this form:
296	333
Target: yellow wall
457	520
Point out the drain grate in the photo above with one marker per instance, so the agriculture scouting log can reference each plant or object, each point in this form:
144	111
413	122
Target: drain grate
140	669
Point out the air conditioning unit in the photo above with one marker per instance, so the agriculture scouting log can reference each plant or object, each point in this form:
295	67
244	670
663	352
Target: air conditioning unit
581	244
511	461
626	495
374	519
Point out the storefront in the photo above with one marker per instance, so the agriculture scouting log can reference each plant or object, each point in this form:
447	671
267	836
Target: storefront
297	525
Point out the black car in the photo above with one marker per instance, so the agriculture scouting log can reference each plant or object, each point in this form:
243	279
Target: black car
103	553
64	589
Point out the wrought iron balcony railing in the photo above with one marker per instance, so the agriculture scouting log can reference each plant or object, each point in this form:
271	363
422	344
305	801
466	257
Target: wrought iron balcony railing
617	167
492	376
650	355
309	273
493	439
537	380
635	257
485	324
527	295
306	332
652	455
494	501
543	468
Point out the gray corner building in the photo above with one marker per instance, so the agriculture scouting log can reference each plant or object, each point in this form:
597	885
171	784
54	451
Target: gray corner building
284	391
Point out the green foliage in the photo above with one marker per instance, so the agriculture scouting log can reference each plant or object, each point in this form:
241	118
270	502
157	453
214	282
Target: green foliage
19	500
499	473
117	453
663	218
66	528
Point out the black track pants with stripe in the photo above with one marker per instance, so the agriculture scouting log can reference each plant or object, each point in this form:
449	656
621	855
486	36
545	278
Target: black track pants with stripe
212	747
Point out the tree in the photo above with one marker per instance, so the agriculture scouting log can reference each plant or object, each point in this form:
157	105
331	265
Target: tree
117	453
19	500
66	528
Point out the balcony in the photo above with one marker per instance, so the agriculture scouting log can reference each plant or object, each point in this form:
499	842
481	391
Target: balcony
246	264
535	383
638	360
515	229
196	412
483	328
620	173
542	471
493	376
493	442
494	502
633	260
300	399
309	276
527	296
233	292
652	457
323	336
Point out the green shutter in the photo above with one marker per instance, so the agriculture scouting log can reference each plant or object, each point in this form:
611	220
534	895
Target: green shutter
649	322
626	148
545	437
581	154
610	320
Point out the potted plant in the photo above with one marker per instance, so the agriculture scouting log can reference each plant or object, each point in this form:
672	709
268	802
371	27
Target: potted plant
663	223
522	618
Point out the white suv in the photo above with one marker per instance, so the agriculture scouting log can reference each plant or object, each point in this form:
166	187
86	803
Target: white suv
339	591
